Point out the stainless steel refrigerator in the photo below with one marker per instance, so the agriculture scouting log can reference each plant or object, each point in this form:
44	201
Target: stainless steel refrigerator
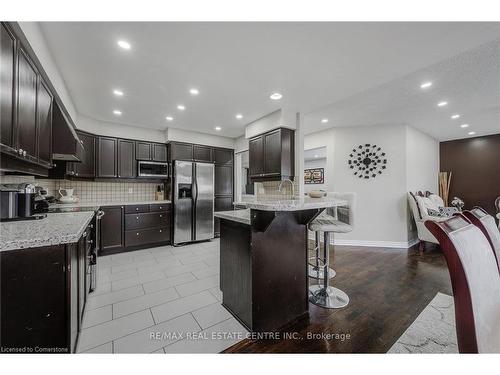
193	195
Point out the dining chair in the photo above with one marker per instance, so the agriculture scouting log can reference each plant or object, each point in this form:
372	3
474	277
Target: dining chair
481	219
475	282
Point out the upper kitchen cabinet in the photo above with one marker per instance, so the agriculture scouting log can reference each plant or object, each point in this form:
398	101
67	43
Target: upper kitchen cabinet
272	155
106	157
143	150
202	153
160	152
181	151
44	124
126	159
66	145
7	92
223	156
26	106
87	166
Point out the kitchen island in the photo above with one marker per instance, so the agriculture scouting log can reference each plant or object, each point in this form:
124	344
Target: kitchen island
263	260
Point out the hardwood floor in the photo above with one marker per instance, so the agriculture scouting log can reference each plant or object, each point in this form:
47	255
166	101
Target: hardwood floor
388	288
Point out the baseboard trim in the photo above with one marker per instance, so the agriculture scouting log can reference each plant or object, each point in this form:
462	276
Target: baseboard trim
363	243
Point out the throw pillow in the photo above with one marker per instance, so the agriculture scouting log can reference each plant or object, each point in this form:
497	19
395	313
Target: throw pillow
448	211
434	213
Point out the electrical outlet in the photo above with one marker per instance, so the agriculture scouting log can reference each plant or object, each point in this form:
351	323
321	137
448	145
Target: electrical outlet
130	190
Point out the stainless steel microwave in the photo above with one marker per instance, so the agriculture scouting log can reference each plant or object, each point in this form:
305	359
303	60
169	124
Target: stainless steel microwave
152	169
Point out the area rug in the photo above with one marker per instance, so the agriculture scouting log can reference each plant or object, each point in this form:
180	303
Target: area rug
433	331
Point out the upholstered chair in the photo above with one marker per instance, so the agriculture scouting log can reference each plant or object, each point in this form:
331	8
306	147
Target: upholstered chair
481	219
497	205
419	206
475	281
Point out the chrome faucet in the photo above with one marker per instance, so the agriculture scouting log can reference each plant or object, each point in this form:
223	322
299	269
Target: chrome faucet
291	184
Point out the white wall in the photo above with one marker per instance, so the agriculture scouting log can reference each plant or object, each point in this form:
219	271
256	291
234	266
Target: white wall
118	130
382	215
422	168
36	39
316	163
181	135
241	144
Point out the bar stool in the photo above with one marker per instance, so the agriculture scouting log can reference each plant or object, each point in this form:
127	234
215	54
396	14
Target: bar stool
322	294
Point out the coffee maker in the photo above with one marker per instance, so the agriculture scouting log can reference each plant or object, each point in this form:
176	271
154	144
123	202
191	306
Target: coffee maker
17	202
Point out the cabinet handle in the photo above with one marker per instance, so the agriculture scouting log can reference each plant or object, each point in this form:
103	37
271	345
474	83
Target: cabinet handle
161	215
161	207
20	151
160	230
76	174
24	153
118	175
137	233
84	234
137	217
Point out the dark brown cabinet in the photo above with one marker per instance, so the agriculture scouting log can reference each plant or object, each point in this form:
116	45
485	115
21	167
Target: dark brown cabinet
107	163
256	152
44	124
223	156
26	106
181	151
87	166
112	228
272	155
126	159
159	152
202	153
7	84
143	150
223	180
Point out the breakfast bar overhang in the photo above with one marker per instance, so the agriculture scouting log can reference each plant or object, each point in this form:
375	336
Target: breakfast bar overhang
263	260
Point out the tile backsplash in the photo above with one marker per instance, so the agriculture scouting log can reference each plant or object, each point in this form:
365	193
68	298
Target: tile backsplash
93	191
269	189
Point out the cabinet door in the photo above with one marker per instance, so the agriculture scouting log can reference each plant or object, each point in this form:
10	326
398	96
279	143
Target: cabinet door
223	156
107	166
26	105
221	204
74	312
272	153
223	180
202	153
112	228
143	150
7	79
126	159
159	152
181	151
87	167
256	155
44	123
81	279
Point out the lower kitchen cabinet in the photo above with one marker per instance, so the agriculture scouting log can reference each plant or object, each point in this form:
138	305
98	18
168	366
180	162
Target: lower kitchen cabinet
43	293
131	226
112	228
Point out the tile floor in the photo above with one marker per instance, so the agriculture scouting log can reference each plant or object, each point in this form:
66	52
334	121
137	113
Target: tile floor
159	300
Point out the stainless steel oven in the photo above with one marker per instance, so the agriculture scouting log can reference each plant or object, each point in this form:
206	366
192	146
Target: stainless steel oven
152	169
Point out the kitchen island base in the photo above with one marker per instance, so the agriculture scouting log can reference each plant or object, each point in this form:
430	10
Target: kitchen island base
263	268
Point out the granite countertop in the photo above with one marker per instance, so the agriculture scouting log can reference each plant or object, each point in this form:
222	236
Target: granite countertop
55	229
240	216
295	204
98	204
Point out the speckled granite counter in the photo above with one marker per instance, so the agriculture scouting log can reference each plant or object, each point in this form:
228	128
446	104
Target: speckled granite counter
55	229
240	216
297	204
106	203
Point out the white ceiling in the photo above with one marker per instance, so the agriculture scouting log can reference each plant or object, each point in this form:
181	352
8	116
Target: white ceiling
236	66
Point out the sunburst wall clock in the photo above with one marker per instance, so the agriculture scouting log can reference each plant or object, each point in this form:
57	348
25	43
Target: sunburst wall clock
367	161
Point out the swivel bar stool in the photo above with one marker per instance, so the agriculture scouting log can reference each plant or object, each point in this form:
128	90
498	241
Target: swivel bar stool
324	295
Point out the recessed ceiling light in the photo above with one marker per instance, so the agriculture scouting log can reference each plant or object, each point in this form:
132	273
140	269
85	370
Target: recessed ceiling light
117	112
442	104
471	133
316	156
454	117
180	107
239	116
194	91
426	85
324	121
464	125
169	118
118	92
276	96
124	44
218	128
